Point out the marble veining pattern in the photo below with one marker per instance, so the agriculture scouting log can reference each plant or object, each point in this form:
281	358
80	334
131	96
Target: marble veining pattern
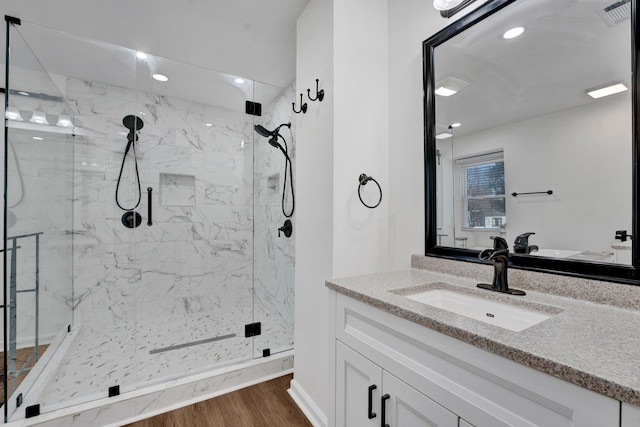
210	263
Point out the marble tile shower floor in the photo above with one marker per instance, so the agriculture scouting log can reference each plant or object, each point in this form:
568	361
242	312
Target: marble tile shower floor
142	355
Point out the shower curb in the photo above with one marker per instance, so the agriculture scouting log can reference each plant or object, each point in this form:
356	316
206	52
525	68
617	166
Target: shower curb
149	401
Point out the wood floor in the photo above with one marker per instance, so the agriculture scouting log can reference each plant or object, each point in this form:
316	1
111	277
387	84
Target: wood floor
261	405
22	354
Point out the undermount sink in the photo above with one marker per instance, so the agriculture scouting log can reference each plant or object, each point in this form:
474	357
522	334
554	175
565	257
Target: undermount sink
554	253
506	316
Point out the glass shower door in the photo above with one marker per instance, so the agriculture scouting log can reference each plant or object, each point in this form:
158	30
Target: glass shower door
194	298
38	223
274	250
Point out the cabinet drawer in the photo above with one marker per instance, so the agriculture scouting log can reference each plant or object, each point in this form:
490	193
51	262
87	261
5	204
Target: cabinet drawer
481	387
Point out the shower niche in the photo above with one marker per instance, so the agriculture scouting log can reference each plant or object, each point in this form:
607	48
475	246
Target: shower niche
177	190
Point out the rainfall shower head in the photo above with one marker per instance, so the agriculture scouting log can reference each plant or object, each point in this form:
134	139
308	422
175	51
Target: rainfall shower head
267	133
273	136
134	124
262	131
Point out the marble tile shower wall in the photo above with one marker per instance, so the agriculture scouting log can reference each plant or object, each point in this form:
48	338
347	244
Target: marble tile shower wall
274	262
196	258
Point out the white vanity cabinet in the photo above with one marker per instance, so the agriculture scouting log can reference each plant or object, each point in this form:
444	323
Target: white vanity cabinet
432	376
630	416
367	395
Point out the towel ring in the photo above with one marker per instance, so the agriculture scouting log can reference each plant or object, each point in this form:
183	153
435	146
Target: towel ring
363	179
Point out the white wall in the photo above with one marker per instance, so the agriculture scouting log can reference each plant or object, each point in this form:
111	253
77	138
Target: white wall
367	55
360	135
410	23
583	155
344	44
313	228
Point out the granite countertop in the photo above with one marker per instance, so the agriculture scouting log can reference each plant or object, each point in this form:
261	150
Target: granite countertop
596	346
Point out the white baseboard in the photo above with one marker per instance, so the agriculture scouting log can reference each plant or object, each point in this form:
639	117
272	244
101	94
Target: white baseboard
306	405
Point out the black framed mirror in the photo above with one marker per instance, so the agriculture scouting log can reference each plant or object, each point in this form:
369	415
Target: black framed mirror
520	141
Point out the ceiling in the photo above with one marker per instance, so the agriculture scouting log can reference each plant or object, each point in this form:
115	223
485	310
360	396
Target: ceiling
255	39
566	49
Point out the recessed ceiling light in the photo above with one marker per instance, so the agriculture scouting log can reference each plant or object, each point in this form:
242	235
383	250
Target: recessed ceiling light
449	85
443	135
37	138
443	91
513	33
141	55
606	91
208	125
456	125
239	80
160	77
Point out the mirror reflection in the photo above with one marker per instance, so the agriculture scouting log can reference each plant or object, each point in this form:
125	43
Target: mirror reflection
533	131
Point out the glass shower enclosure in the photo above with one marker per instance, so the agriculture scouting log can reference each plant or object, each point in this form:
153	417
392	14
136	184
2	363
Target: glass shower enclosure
135	252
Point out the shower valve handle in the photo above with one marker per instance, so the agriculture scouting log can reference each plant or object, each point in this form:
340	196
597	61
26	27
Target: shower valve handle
287	228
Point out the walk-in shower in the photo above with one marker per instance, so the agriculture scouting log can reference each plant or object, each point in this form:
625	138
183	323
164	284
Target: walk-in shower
93	309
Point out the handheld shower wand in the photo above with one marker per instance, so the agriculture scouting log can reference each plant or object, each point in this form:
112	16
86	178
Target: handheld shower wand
130	218
273	136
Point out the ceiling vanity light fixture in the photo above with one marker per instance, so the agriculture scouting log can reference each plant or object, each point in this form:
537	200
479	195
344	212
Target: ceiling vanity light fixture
456	125
13	113
513	33
610	89
446	4
160	77
64	121
39	117
448	8
444	135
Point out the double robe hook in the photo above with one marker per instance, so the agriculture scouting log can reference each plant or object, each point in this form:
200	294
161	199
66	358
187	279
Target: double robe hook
319	94
303	107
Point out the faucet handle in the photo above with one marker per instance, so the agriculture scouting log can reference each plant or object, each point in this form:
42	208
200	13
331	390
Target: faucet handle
499	243
523	239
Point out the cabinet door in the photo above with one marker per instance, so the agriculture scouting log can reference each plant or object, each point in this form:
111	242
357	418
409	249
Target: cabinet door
358	382
407	407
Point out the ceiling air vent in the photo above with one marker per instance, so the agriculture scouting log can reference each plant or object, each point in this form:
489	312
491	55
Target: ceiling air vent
614	13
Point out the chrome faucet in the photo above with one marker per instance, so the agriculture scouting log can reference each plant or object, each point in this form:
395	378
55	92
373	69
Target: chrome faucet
500	257
521	244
